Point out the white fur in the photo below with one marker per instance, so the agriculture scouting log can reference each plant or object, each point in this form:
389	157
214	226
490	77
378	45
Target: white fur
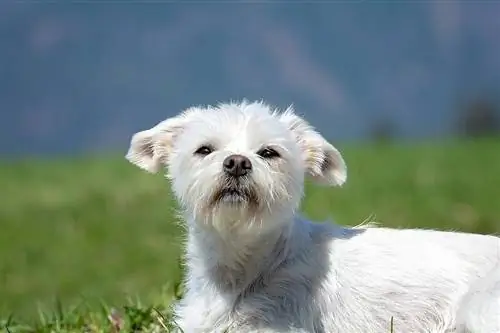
255	265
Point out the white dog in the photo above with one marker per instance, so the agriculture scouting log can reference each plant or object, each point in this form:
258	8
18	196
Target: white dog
255	265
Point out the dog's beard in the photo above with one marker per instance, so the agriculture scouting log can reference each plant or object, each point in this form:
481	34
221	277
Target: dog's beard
236	193
235	207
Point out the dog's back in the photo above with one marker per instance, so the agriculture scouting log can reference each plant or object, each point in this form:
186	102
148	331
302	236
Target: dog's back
417	277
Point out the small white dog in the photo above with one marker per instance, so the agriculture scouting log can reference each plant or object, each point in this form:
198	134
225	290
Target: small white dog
255	265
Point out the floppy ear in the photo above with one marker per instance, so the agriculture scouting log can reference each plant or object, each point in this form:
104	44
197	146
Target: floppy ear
323	162
150	149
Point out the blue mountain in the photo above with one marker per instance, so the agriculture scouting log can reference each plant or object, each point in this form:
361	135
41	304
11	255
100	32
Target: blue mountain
83	76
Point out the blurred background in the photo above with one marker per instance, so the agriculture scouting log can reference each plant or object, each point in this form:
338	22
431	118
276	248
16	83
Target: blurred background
409	91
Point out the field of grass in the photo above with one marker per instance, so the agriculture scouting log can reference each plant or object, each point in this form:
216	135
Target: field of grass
87	231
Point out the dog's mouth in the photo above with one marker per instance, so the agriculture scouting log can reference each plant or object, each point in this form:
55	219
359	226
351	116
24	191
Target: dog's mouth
235	195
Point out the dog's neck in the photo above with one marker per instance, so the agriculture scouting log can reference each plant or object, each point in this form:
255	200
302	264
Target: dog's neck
232	260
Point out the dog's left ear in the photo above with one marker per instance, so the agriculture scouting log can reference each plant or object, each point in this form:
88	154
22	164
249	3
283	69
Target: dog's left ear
323	162
151	149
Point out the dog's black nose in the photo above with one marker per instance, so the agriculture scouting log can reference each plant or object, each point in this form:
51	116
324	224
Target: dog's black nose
237	165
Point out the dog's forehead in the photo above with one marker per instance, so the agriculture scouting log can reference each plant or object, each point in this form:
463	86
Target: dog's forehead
237	128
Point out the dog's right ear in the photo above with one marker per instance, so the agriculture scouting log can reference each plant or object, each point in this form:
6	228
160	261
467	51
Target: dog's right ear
150	149
323	162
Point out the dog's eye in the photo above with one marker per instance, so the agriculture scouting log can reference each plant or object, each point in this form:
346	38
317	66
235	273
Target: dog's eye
204	150
268	153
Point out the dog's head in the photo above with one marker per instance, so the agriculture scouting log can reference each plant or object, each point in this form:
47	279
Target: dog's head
238	163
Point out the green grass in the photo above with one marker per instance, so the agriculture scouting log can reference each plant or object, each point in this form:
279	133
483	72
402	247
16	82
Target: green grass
94	230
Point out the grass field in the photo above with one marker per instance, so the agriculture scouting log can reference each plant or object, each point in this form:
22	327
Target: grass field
97	229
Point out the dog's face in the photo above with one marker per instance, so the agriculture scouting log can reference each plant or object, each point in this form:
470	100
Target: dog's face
238	163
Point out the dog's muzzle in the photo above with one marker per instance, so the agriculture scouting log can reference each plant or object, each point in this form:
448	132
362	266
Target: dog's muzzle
236	186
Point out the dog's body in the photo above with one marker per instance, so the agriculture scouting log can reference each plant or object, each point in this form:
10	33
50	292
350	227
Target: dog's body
324	278
254	265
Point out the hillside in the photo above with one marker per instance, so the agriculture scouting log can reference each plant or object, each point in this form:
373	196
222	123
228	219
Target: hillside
99	227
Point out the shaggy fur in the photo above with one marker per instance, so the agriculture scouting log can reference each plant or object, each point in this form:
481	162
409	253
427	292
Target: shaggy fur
255	265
